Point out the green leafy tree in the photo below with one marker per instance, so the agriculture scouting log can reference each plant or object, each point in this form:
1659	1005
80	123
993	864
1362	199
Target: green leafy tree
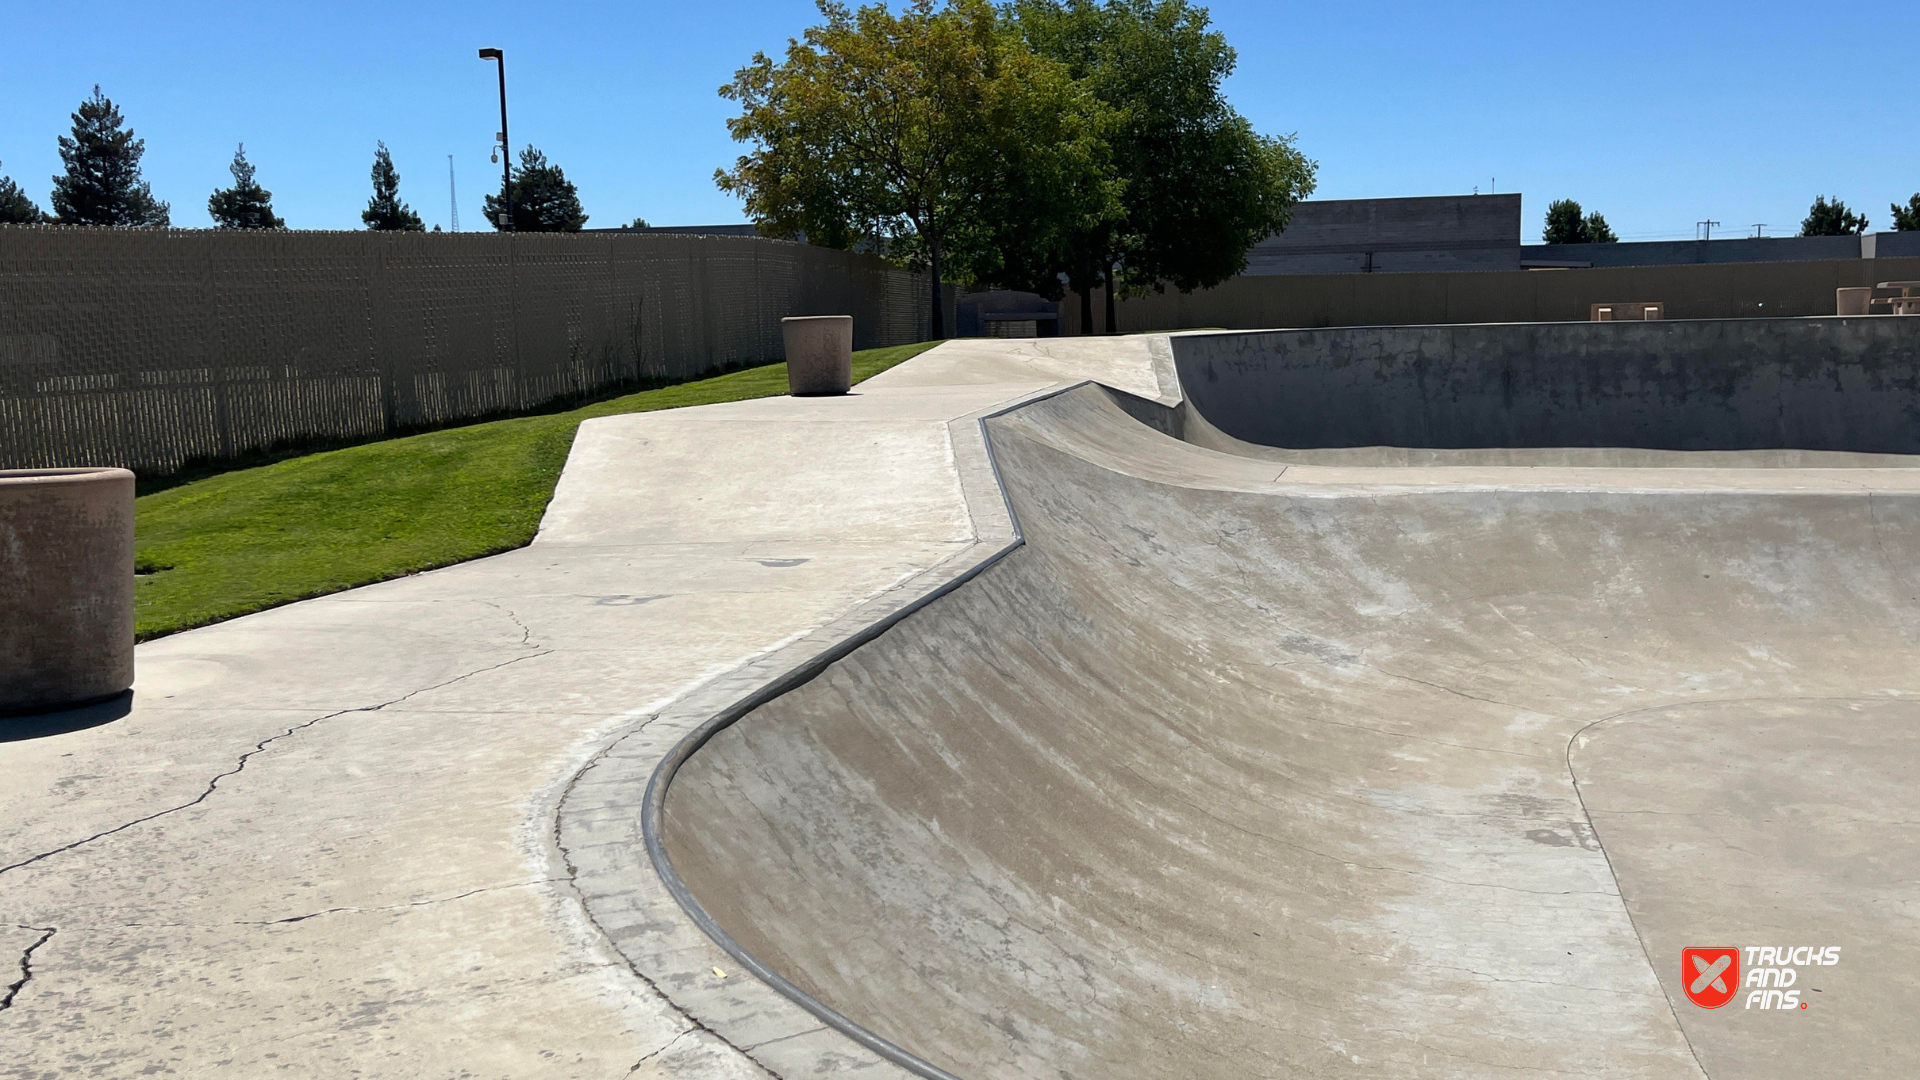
386	212
932	135
1907	218
1565	225
544	200
1832	219
245	205
1198	187
637	223
16	208
102	183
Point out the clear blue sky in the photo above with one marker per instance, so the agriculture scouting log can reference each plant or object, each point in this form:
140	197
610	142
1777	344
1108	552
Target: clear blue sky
1658	115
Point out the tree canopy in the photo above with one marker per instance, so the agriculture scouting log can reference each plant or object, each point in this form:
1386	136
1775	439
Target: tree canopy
1198	187
1019	146
544	200
932	135
102	183
1832	219
16	207
1907	218
1565	225
385	211
245	205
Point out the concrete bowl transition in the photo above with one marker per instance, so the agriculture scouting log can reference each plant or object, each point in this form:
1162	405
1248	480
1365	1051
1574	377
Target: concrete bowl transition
1399	704
66	572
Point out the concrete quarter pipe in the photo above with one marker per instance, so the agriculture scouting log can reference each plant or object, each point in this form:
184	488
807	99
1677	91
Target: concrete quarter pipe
1360	762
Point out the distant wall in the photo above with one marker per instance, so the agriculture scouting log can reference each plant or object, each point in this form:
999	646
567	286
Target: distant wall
1735	250
1712	291
1437	233
147	348
1738	384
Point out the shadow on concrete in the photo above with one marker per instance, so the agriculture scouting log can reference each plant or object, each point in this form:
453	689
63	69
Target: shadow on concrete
18	728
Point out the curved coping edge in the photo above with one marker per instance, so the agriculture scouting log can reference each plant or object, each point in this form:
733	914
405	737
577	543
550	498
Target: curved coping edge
654	806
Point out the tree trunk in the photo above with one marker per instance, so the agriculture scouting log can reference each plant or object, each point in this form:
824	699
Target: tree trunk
1083	284
1111	327
939	309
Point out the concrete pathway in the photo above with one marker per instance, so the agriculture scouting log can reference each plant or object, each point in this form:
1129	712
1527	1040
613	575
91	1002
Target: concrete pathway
327	839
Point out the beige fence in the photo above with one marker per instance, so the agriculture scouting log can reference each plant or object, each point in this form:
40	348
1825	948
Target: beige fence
1696	291
146	349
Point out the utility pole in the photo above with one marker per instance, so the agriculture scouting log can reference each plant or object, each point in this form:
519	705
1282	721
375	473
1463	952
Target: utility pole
1708	225
453	196
1759	230
506	161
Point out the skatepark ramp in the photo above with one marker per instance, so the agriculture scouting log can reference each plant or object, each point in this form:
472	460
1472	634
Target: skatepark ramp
1403	715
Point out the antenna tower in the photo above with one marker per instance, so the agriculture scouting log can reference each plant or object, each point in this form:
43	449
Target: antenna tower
453	196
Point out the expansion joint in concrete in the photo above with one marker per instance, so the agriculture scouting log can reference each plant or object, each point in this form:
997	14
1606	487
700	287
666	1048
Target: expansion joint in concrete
1612	871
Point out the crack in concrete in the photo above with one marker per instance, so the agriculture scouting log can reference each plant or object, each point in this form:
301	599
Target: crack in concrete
241	763
26	964
668	1045
784	1038
570	883
1461	693
344	910
526	632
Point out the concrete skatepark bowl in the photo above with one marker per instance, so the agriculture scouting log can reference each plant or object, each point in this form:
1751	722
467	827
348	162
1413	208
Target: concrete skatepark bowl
1420	748
1382	702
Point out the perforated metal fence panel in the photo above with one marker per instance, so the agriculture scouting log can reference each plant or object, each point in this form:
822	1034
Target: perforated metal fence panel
149	348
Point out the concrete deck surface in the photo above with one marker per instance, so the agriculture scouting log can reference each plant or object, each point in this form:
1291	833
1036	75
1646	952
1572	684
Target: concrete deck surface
1238	767
324	839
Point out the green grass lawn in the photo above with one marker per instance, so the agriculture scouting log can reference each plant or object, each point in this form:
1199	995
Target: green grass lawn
250	539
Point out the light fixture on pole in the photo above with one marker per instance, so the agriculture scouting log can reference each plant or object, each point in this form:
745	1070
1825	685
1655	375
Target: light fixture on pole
501	151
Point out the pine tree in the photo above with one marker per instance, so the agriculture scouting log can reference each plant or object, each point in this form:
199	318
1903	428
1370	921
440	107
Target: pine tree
543	199
1832	219
102	184
1907	218
245	205
15	207
385	212
1598	231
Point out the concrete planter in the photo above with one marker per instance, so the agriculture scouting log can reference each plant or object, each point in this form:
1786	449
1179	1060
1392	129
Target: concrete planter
819	353
66	587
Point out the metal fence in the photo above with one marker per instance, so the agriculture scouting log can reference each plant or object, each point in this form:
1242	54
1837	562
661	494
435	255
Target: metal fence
150	348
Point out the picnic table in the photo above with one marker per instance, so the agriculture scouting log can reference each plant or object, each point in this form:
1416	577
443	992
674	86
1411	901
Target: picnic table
1907	303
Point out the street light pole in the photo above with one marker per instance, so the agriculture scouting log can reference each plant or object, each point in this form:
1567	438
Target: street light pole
506	164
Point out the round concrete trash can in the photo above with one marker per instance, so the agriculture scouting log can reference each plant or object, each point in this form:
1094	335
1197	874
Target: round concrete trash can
819	353
66	587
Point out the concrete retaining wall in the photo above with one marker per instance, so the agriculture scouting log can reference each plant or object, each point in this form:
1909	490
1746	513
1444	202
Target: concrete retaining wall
1710	291
1737	384
146	348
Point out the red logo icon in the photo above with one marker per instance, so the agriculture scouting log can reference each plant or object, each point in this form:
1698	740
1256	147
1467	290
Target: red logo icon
1710	976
